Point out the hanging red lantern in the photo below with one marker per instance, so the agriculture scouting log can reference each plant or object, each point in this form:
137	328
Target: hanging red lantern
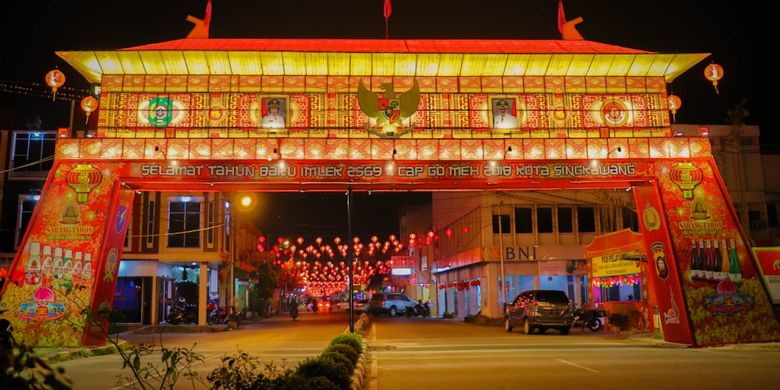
714	72
83	178
674	104
89	104
448	232
686	176
54	79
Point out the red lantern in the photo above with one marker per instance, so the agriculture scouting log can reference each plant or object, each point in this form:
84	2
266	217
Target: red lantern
674	104
448	232
686	176
89	104
83	179
714	72
54	79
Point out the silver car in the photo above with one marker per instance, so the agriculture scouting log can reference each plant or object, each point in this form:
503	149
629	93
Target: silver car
389	303
540	309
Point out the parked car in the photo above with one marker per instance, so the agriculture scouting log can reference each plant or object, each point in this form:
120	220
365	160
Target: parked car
389	303
358	304
540	309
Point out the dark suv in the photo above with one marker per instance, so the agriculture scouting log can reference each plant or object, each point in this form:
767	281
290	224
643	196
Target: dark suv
540	309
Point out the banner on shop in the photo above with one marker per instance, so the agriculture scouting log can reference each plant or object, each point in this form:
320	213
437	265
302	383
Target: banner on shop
769	265
613	265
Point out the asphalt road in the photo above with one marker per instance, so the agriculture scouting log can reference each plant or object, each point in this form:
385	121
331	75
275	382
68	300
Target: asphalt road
420	354
439	354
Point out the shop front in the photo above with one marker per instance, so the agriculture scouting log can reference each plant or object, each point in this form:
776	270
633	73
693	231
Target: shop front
617	269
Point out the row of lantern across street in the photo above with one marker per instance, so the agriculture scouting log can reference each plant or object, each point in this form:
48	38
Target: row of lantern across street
461	285
321	266
55	79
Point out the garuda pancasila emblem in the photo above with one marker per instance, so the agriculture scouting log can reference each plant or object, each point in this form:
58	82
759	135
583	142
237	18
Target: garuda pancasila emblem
389	112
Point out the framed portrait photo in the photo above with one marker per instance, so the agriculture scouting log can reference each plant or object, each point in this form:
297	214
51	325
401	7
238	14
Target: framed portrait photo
504	112
273	112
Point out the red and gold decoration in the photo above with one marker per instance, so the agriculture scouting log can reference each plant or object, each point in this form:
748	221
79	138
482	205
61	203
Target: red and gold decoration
54	79
89	104
201	106
83	178
714	73
686	176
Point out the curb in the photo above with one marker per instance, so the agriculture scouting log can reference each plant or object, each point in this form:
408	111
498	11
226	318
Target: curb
361	367
84	352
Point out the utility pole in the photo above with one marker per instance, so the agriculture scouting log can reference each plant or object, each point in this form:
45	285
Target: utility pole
350	266
501	252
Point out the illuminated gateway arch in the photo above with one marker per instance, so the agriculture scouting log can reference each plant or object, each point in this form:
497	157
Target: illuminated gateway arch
322	115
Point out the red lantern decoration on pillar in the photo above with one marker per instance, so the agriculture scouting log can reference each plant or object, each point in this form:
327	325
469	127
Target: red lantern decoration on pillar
89	104
686	176
83	179
674	104
714	72
54	79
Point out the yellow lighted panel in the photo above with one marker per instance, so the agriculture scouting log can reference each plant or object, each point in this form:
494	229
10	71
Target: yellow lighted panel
93	64
359	149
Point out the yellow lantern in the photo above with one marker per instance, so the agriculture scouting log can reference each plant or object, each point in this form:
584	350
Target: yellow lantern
674	104
714	72
54	79
89	104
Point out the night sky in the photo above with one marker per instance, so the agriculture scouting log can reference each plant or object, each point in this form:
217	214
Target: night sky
736	33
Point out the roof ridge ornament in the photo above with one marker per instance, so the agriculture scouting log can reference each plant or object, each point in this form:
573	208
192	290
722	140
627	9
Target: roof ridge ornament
201	28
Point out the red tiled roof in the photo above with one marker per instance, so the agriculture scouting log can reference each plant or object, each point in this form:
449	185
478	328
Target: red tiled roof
393	46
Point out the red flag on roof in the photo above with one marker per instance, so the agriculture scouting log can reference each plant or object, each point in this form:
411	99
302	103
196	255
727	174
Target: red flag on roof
388	9
561	16
207	18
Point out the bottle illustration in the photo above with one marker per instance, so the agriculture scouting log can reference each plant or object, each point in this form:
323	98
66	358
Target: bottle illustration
702	261
86	272
716	270
695	263
735	271
708	274
47	261
68	263
77	265
32	273
57	268
724	267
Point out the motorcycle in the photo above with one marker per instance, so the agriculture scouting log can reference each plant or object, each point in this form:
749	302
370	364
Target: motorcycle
215	315
589	319
6	344
294	312
183	313
420	309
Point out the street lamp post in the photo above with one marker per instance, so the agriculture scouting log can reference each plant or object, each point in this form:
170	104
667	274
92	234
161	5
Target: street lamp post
350	266
501	252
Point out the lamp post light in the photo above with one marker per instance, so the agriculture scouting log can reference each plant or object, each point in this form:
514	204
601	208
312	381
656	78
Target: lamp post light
350	265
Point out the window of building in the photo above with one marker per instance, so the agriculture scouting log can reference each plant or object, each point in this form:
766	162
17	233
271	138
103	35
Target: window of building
771	209
544	220
150	218
565	217
754	219
523	220
28	151
184	224
505	228
630	219
25	209
586	221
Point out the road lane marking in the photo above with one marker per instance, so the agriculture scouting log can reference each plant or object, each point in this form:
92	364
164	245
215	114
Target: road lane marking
577	365
373	332
374	382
